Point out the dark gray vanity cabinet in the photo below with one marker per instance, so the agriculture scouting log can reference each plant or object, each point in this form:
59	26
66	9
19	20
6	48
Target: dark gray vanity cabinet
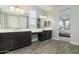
14	40
5	42
49	34
21	39
28	40
41	36
45	35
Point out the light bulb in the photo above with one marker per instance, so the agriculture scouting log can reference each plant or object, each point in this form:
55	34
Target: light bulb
12	8
67	22
44	17
41	16
22	11
17	10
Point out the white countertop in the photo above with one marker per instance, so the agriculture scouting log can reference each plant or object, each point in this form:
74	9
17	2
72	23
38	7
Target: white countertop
48	28
12	30
36	30
22	30
40	30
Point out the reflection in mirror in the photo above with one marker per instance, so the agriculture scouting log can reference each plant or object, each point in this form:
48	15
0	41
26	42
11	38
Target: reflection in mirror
67	24
47	23
12	22
38	23
22	22
1	21
10	18
64	23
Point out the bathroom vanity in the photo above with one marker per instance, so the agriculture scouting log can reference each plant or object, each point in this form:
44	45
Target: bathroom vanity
45	35
14	39
11	39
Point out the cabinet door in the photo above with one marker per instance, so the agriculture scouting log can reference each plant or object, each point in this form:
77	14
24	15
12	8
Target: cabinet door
28	38
13	41
20	39
50	32
41	36
45	35
5	42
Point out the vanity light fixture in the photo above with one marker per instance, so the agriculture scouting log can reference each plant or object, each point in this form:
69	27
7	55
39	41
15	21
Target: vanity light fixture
22	11
67	22
12	8
44	17
17	10
48	19
41	16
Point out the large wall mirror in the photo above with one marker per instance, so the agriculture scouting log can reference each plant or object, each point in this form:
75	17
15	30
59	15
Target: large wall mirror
10	21
47	23
1	20
11	18
19	22
22	22
64	22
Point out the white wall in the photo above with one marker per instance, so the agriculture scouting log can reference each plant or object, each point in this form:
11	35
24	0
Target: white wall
55	21
53	26
55	29
33	19
75	25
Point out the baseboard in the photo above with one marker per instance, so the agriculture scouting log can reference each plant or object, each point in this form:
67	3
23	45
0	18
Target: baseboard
55	39
74	43
34	40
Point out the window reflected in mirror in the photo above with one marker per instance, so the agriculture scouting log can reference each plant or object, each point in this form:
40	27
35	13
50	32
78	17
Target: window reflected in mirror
67	24
38	23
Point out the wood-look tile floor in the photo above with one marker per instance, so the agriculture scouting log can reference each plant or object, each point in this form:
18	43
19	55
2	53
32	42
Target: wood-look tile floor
48	47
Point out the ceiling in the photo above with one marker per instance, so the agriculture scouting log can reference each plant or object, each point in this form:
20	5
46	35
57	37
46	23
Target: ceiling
48	8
